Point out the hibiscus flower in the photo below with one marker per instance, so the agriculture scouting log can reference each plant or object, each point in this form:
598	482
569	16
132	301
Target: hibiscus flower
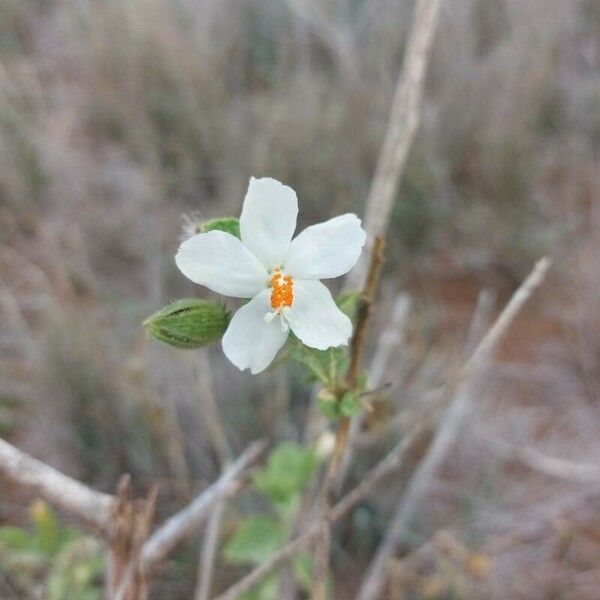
280	274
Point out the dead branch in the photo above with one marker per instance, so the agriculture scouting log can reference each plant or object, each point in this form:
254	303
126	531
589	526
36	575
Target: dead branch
450	425
220	443
89	507
180	525
388	465
402	125
551	466
341	439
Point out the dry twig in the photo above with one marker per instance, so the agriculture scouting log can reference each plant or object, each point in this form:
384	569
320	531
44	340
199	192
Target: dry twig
391	463
341	438
210	411
402	125
180	525
91	508
449	426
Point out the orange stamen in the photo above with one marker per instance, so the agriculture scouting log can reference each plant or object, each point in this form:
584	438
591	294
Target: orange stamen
282	290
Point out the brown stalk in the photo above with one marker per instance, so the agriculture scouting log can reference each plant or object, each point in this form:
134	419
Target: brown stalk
341	439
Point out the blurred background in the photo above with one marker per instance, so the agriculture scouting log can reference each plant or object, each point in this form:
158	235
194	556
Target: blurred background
117	117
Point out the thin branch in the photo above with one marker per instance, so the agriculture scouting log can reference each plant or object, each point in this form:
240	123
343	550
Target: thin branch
486	301
551	466
208	552
220	443
402	125
330	34
450	425
364	312
180	525
88	506
388	465
341	439
390	339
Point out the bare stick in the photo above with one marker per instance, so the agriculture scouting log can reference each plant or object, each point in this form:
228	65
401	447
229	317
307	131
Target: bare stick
341	438
389	340
449	426
208	552
560	468
402	125
180	525
210	410
388	465
88	506
330	34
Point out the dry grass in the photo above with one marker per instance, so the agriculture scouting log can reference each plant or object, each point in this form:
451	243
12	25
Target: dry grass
117	117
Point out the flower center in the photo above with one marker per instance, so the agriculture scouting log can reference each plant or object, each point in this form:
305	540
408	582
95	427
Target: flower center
282	296
282	290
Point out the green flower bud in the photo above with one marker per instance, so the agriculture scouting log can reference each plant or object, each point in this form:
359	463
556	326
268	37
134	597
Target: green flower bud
189	323
328	403
228	224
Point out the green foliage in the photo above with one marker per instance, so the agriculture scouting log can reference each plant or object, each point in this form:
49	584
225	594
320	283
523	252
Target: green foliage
189	323
349	404
227	224
255	540
348	304
288	470
327	366
266	590
69	565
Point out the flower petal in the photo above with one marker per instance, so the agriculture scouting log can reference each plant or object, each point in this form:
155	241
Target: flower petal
315	318
250	342
223	264
268	220
326	250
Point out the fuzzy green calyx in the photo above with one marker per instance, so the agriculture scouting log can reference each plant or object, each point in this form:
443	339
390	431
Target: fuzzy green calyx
227	224
189	323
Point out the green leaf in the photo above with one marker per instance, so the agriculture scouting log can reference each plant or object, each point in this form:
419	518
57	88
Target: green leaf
76	571
328	404
326	366
348	303
288	470
349	404
189	323
267	590
255	540
47	533
15	539
303	571
228	224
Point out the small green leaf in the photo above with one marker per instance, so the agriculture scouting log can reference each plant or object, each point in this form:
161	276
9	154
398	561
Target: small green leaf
227	224
255	540
189	323
328	404
325	366
266	590
46	527
15	539
349	404
348	303
303	571
288	470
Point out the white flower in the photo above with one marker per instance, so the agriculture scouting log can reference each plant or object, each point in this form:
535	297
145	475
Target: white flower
281	275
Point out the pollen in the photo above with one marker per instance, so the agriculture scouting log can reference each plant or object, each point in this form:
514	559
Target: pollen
282	290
